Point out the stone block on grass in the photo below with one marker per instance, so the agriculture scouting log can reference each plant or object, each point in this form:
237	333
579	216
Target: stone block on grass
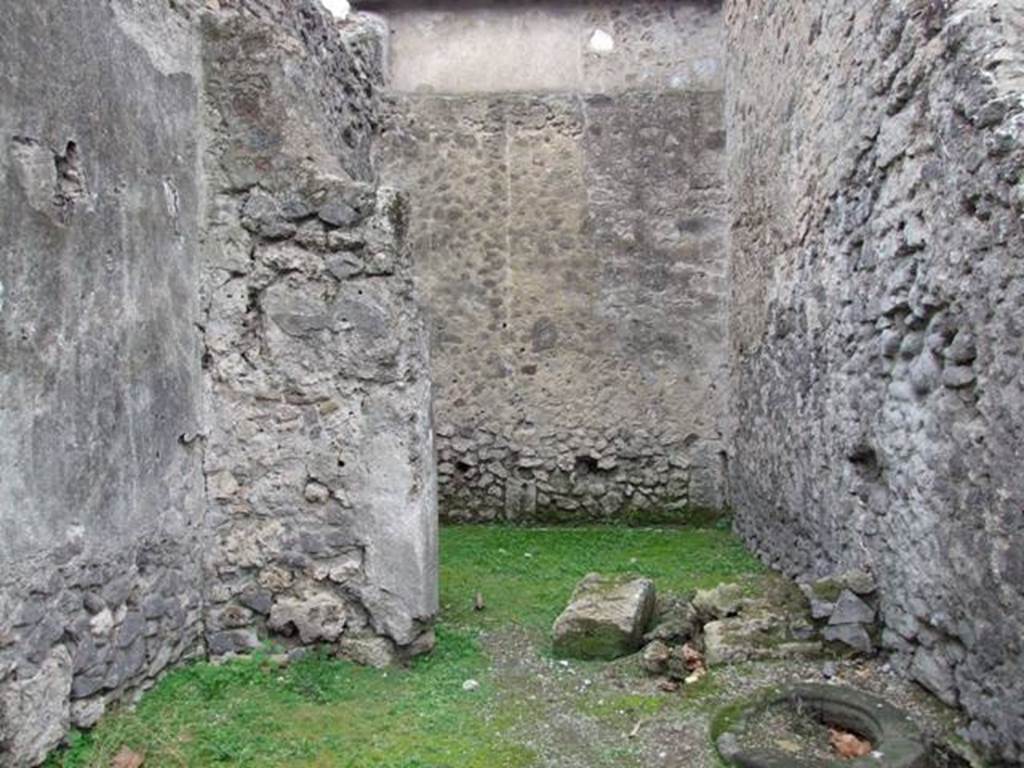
606	617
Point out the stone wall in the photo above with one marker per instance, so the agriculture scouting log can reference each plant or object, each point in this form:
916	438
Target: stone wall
319	456
569	209
100	487
213	392
875	161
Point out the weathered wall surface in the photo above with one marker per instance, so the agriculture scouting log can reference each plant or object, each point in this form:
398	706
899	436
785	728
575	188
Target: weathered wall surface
571	252
213	390
489	46
319	457
100	497
876	165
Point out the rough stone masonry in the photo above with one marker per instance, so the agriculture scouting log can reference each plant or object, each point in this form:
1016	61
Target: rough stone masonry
781	272
876	165
567	174
213	374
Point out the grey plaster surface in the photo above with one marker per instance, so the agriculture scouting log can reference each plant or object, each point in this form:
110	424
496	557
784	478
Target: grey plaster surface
469	46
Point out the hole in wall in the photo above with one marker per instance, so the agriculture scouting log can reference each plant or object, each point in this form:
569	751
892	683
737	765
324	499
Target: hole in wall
70	179
865	461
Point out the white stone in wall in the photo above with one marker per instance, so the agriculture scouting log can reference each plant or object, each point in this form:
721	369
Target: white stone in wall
340	8
601	42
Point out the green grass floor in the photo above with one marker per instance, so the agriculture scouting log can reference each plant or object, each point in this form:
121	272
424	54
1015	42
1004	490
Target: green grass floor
324	712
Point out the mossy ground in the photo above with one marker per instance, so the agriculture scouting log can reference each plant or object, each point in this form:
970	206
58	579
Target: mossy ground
325	712
531	710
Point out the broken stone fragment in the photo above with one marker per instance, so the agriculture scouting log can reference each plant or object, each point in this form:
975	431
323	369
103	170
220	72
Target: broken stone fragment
852	635
850	609
317	493
85	713
316	617
824	594
294	207
655	657
759	638
684	662
344	265
718	603
368	650
934	673
338	214
231	617
262	215
131	629
311	235
958	376
677	623
911	345
606	617
890	343
857	581
820	609
345	240
925	374
232	641
340	570
35	713
963	350
287	256
256	599
421	646
102	623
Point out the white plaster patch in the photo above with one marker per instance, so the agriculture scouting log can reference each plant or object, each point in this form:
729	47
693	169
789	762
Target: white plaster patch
340	8
171	199
601	42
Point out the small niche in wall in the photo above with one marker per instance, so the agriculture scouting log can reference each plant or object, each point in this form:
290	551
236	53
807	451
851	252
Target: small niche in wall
865	460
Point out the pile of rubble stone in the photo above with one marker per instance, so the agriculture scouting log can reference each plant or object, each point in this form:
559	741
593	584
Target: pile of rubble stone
613	616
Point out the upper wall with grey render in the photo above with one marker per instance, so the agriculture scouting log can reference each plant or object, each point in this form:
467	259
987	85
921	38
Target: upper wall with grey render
876	158
475	46
565	163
